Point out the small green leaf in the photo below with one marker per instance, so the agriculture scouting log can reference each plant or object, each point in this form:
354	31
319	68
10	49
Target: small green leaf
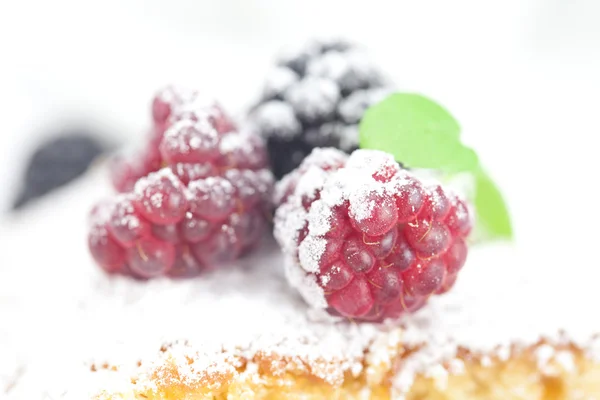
493	219
418	132
422	134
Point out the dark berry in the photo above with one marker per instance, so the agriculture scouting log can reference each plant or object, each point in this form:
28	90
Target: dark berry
316	97
314	100
57	162
278	82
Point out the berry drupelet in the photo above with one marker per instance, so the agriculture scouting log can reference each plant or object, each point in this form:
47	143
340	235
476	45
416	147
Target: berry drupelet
170	105
364	238
204	203
315	97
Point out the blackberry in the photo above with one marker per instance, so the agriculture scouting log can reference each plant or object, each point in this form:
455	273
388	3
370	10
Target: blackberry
315	97
57	162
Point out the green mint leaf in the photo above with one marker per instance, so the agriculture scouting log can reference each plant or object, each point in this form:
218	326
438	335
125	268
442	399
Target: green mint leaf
493	218
422	134
418	132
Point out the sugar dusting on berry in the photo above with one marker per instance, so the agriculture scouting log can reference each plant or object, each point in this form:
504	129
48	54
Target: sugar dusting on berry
278	81
310	251
314	98
276	118
204	327
354	183
154	178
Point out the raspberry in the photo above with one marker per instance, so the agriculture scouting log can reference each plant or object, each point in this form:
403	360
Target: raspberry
161	198
212	198
188	141
105	249
126	224
202	202
200	118
151	257
316	97
364	238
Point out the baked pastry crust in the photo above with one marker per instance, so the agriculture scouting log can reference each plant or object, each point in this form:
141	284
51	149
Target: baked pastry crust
544	370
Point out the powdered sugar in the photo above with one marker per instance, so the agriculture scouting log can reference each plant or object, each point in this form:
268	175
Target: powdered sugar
307	287
319	218
314	98
233	142
290	219
310	251
187	136
155	178
276	118
364	199
351	70
123	213
71	318
352	108
278	81
186	103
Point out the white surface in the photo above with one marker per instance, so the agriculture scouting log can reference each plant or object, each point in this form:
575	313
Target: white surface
518	74
521	77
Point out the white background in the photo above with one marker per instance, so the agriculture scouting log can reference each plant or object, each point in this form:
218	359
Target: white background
522	77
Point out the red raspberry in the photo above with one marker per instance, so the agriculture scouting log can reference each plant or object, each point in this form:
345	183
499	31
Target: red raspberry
365	239
202	202
188	141
191	110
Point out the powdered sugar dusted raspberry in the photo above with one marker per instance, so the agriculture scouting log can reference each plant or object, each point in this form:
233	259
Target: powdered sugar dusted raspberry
187	125
375	241
201	203
190	141
310	252
167	100
287	230
306	286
